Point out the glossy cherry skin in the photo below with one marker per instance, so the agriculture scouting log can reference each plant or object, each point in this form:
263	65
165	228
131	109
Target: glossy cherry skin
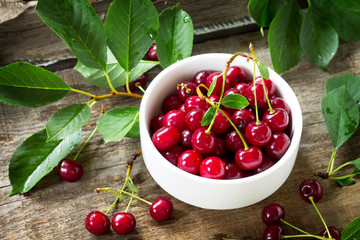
190	161
213	167
334	232
185	138
161	209
273	232
203	142
186	90
140	81
260	95
221	123
232	171
266	164
250	158
123	223
235	75
278	102
242	118
219	82
157	122
272	214
171	102
258	134
242	88
97	223
175	118
193	118
69	170
200	77
233	141
165	137
151	54
277	120
172	154
270	86
278	145
194	102
220	148
311	187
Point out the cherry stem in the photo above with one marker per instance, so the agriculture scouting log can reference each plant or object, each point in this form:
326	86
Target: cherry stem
83	92
331	162
130	201
263	84
318	212
301	236
296	228
115	190
85	143
116	94
255	102
109	81
138	85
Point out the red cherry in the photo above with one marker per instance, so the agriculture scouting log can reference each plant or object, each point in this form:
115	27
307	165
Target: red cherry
151	54
190	161
233	141
193	118
221	123
242	118
194	102
250	158
233	171
212	167
175	118
97	223
272	214
157	122
172	154
161	209
220	148
270	86
200	77
278	145
235	75
203	142
242	88
266	164
258	134
171	102
69	170
311	188
219	82
260	95
165	137
140	81
123	223
273	232
277	120
278	102
334	232
186	90
185	138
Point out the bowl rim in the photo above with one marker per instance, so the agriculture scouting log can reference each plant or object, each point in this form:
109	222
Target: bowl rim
296	128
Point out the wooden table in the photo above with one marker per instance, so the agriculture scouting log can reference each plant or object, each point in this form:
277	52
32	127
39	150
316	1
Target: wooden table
56	209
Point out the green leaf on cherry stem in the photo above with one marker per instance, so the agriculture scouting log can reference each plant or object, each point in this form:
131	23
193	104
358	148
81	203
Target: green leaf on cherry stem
352	230
25	85
113	125
264	11
236	101
341	115
208	116
131	186
134	131
131	26
283	37
175	37
264	71
349	5
356	162
67	121
116	73
35	157
345	182
212	86
318	39
351	82
78	25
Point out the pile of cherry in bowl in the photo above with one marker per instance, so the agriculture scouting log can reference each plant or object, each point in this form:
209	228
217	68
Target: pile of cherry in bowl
218	151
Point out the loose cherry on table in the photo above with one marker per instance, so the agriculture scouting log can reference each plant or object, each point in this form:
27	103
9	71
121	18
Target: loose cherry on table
69	170
97	223
311	188
273	232
161	209
334	232
272	214
123	223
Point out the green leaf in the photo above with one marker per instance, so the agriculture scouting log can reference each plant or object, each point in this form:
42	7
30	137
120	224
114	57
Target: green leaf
131	26
356	162
341	115
78	25
352	230
116	73
212	85
175	38
116	123
349	5
351	82
208	116
134	131
264	11
131	186
345	22
283	37
345	182
236	101
264	71
36	157
67	121
23	84
318	39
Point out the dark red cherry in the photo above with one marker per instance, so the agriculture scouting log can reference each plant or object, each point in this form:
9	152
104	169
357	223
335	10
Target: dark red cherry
157	122
260	95
172	154
140	81
278	145
165	137
258	134
171	102
334	232
200	77
97	223
186	90
273	232
266	164
123	223
221	123
311	188
194	102
151	54
232	171
250	158
272	214
220	148
203	142
161	209
233	141
277	120
190	161
270	86
235	75
219	82
193	118
69	170
278	102
212	167
175	118
242	118
242	88
185	138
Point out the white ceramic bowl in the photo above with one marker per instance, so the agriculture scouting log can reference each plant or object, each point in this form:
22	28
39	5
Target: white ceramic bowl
199	191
